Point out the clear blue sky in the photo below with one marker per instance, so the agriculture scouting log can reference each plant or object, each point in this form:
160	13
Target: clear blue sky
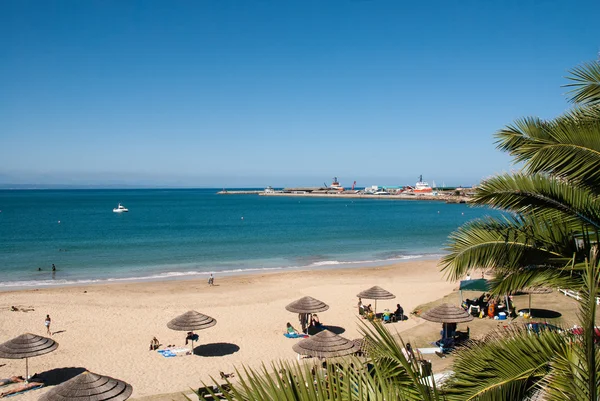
230	93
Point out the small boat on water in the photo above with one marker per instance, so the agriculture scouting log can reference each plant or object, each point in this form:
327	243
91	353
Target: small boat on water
120	209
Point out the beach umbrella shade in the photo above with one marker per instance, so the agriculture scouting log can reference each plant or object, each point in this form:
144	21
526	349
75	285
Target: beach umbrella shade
307	305
376	293
535	290
446	313
191	321
326	344
89	386
27	346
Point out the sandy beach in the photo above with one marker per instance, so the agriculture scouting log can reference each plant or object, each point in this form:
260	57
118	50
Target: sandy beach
107	328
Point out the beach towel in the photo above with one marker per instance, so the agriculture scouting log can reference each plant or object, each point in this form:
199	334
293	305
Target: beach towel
171	352
429	350
166	353
294	335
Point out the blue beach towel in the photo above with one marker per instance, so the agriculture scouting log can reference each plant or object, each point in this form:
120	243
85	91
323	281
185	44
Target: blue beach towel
167	353
290	335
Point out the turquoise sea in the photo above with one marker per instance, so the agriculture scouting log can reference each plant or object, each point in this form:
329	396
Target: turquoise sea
192	232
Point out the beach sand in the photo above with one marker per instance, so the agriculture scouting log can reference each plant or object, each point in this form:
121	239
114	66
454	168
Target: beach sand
107	328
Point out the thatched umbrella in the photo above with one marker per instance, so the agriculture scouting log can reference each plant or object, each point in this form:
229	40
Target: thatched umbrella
304	306
89	386
535	290
191	321
376	293
27	346
446	313
307	305
326	345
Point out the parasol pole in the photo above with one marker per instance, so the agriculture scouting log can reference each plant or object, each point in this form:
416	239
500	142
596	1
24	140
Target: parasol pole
27	370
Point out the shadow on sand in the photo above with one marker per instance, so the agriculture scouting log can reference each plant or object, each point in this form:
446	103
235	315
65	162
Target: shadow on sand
216	349
542	313
59	375
334	329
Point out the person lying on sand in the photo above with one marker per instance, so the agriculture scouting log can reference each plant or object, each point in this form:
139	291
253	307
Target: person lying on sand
12	379
226	375
21	388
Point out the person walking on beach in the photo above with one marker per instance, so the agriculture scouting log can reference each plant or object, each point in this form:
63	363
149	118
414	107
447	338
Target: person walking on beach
211	280
47	323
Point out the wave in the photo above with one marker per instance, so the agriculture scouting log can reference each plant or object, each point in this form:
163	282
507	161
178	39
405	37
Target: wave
170	275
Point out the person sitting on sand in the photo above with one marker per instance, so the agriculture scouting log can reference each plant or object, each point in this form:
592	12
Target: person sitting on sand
314	322
154	344
291	329
191	337
399	313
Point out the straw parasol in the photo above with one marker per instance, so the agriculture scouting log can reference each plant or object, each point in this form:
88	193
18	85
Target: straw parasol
376	293
446	313
191	321
27	346
326	345
535	290
89	386
307	305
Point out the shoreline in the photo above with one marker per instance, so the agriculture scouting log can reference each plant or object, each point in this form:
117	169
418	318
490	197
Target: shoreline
203	275
106	328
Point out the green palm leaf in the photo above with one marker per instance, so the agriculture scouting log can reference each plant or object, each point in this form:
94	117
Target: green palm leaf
542	196
585	83
505	366
506	243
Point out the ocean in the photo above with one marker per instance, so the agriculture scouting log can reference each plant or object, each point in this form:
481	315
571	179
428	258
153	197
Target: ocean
192	232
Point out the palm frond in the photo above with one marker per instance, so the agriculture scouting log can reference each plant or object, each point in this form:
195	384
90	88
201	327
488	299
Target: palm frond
575	375
566	147
511	242
542	196
385	352
507	281
507	365
585	83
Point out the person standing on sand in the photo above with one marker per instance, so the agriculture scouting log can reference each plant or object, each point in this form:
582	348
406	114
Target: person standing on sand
211	280
47	323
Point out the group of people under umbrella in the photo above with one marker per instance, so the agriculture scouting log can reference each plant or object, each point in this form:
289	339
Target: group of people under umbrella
325	343
86	386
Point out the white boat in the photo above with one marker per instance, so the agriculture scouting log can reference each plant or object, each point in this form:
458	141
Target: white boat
120	209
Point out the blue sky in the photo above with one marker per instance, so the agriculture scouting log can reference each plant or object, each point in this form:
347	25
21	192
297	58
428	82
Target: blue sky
255	93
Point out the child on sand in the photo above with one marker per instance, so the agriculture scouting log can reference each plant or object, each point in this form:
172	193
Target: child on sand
47	324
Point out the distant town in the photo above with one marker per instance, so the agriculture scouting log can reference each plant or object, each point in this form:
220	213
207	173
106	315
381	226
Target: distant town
420	191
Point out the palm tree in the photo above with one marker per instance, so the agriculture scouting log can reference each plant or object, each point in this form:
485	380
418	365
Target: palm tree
552	207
